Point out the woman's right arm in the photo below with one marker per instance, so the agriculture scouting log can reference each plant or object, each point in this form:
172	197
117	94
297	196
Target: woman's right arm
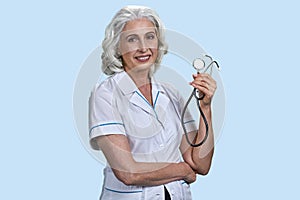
117	152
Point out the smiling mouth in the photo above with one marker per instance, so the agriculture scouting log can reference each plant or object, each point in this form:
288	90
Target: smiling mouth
143	58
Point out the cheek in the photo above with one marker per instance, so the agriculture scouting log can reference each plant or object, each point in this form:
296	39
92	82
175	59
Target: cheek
152	44
127	57
126	49
154	52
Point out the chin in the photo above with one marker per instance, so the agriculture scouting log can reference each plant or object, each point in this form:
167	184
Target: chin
142	67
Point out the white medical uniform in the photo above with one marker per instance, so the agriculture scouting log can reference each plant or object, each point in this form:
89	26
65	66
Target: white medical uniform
154	132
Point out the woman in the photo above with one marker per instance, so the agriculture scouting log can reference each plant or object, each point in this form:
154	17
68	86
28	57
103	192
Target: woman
135	120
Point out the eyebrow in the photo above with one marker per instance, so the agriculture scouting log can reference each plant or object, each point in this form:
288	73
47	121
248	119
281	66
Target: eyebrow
130	35
134	34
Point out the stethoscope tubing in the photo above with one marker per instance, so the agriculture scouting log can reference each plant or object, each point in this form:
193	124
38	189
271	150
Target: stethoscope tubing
202	115
198	99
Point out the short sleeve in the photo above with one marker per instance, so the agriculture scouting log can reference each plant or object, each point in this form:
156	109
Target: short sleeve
104	118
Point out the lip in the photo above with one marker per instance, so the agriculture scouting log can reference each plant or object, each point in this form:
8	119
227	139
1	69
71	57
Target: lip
143	58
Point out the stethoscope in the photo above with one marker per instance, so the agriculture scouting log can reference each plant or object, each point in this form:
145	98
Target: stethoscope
199	65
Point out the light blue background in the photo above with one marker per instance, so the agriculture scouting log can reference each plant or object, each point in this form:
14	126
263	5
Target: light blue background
44	43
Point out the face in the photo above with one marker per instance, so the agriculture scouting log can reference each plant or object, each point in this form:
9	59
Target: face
138	45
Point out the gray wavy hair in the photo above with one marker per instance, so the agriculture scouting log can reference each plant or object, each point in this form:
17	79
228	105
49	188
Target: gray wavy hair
111	59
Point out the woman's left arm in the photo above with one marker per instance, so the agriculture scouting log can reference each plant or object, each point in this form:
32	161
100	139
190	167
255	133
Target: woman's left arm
200	158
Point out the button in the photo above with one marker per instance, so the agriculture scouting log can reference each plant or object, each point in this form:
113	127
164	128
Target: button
161	145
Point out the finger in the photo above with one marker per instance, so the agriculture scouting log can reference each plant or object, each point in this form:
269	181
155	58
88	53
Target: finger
204	77
204	81
201	75
200	83
211	85
208	95
203	87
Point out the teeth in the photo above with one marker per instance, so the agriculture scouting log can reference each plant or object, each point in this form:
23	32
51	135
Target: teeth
143	58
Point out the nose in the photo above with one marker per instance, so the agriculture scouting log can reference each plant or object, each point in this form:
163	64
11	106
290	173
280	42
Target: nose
142	46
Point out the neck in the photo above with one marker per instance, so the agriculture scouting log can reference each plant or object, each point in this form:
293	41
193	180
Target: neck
142	81
141	78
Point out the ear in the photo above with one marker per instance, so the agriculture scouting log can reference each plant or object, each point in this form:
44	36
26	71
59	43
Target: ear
118	53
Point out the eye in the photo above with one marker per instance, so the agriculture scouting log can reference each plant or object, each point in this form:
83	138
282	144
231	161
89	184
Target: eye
132	39
150	36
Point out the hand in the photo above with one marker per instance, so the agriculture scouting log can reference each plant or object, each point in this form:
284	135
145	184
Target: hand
190	176
205	84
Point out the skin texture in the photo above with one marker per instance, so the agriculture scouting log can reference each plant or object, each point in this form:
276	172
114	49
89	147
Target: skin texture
138	47
138	40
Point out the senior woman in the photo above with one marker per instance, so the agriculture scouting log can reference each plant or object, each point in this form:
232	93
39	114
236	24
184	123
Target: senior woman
136	121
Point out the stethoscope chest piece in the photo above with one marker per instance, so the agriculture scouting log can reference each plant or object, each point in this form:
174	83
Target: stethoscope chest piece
198	64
